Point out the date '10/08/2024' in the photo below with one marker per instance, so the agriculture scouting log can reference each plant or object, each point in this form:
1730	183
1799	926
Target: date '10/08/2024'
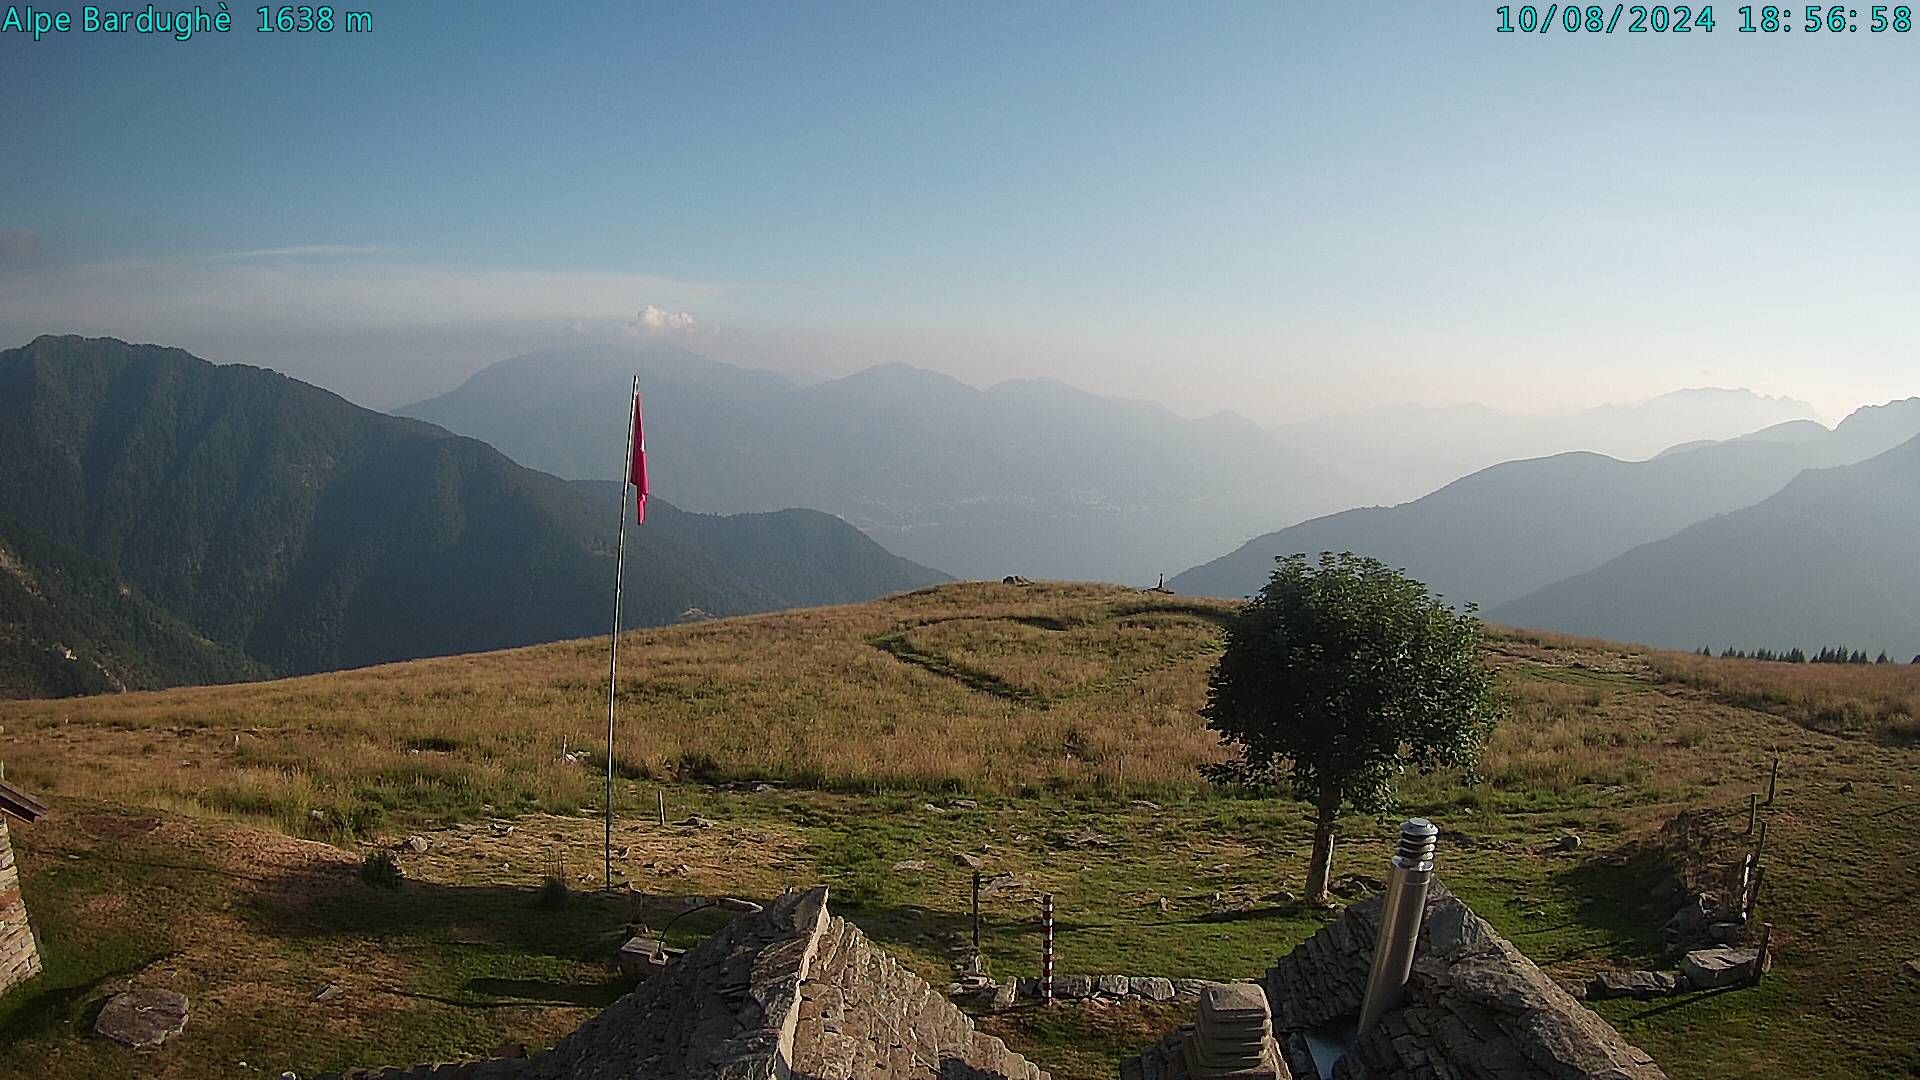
1682	19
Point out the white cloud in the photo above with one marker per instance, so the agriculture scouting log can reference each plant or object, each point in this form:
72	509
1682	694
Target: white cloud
654	319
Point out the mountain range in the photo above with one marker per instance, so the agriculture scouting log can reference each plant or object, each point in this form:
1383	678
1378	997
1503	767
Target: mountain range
1029	476
1833	557
1398	452
256	524
1518	529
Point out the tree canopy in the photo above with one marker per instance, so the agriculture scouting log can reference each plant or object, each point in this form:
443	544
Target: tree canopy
1340	676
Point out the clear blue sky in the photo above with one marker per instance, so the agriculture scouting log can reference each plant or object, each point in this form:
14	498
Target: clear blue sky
1283	208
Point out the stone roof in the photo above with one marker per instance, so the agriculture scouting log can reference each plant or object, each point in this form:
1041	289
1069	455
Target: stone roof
789	991
20	804
1476	1008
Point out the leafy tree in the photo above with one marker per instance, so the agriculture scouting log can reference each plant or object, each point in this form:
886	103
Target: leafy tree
1341	677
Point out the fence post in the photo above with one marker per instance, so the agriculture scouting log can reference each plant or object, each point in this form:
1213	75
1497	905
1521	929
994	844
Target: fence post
1773	777
1753	894
1046	953
662	796
1766	952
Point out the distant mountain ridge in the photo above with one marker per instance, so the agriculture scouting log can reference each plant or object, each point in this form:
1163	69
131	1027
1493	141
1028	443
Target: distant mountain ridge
1834	556
1404	451
1028	476
284	523
1516	527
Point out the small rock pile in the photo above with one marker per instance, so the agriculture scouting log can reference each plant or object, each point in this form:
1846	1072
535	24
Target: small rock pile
1701	969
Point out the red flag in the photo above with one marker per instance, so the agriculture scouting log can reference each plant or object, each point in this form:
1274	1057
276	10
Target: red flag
637	468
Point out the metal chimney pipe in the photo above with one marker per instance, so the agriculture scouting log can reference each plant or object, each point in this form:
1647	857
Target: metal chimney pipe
1400	915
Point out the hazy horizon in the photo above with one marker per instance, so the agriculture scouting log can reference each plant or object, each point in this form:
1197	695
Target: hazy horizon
1288	213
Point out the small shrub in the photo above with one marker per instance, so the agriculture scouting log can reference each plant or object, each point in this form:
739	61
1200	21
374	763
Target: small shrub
381	870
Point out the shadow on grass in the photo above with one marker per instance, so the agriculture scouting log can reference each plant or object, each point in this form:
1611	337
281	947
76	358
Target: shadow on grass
42	1011
1616	896
502	920
1685	1000
518	993
547	992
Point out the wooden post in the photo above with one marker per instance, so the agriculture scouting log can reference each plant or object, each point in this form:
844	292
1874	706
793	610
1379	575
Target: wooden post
1766	952
1760	844
1753	891
1046	949
1773	778
662	796
1753	810
976	913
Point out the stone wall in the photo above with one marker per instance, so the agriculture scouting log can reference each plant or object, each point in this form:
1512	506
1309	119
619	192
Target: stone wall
19	953
863	1014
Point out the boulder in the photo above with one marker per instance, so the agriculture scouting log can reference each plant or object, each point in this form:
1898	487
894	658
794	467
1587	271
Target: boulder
1708	969
142	1018
1151	987
418	844
1072	987
1111	985
1640	985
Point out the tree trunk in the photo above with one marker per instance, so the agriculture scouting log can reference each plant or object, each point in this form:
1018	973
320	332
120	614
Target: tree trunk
1320	868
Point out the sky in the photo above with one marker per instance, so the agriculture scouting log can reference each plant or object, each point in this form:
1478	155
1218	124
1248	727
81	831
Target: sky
1284	209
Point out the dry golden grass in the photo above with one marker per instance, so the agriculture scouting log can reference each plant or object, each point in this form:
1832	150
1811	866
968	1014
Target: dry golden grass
1877	701
987	688
814	697
1086	691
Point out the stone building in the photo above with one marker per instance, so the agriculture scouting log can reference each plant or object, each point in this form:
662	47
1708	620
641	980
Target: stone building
790	991
1474	1008
794	992
19	952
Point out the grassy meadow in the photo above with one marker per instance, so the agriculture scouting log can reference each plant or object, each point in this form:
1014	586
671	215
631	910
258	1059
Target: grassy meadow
210	838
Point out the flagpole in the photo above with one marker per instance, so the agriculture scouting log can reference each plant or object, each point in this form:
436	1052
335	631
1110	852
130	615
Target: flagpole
613	648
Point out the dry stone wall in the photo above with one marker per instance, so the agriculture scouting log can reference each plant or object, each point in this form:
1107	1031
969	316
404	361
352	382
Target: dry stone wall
19	952
863	1014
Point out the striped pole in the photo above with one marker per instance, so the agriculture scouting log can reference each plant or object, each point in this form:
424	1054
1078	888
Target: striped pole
1046	954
